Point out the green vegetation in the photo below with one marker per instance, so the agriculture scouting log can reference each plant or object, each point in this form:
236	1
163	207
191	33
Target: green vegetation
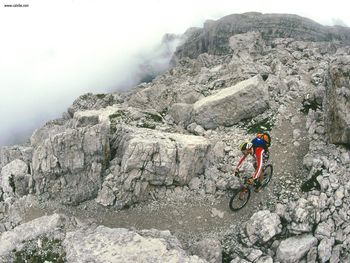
100	96
164	112
50	250
153	116
312	183
118	114
310	104
259	126
147	125
116	118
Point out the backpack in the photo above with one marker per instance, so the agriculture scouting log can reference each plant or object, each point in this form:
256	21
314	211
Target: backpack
262	139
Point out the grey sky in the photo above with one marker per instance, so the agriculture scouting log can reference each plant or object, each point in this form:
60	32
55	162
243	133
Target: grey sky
55	50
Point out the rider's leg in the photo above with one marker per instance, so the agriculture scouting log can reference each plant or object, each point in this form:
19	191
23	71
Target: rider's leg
259	182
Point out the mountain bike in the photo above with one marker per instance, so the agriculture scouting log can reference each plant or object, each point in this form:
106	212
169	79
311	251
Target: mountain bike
242	195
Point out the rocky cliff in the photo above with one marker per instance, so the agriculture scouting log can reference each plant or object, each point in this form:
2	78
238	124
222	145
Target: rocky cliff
213	37
161	156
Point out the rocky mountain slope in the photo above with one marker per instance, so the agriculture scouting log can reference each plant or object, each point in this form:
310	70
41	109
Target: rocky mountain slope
213	37
160	157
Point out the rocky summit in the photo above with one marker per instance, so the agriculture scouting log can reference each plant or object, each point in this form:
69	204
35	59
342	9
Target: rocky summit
146	175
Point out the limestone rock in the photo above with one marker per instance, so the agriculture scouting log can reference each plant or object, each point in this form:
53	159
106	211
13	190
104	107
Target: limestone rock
213	38
91	101
10	153
338	102
262	226
230	105
14	179
104	244
150	158
247	45
12	239
68	166
181	113
292	249
208	249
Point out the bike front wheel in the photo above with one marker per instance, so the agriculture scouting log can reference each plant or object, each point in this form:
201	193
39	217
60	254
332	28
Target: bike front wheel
267	175
239	198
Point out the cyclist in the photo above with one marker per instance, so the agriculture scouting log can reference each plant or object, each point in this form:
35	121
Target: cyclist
260	154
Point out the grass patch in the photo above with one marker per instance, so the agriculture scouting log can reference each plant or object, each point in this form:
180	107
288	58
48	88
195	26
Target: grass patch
101	96
153	117
258	126
147	125
116	118
51	250
310	104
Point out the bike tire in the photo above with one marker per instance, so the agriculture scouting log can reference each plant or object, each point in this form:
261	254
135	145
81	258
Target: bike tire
235	202
268	171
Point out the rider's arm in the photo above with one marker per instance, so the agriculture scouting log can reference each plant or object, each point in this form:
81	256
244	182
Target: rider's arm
259	162
241	161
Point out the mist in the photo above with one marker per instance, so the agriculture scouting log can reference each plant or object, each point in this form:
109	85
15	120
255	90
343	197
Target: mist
54	51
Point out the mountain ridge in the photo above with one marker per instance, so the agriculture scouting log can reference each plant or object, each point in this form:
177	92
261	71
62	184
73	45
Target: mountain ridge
212	37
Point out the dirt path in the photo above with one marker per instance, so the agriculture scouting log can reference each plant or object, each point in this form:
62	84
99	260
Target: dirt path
189	220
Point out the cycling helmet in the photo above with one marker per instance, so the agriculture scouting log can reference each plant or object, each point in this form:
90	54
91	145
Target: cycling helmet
245	145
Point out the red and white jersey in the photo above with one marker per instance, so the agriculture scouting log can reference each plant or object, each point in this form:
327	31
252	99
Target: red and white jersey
258	153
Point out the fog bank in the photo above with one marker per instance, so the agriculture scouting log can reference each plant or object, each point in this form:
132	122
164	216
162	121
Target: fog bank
54	51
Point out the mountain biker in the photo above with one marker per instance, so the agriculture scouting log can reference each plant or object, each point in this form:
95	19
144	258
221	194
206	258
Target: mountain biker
260	153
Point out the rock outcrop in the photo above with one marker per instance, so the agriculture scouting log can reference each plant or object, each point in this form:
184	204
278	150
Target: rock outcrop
15	179
104	244
59	238
14	240
68	166
247	99
293	249
213	37
338	101
145	159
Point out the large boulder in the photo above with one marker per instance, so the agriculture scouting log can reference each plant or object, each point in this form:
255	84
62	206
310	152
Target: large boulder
10	153
48	129
91	101
103	244
209	249
230	105
338	102
247	45
68	166
293	249
302	215
15	179
146	158
262	226
14	239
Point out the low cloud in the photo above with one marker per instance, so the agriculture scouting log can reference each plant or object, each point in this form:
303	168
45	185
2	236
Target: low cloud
54	51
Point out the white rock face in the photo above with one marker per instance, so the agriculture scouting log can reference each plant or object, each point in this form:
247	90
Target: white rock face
247	45
68	165
15	179
147	158
293	249
262	226
10	153
106	245
230	105
338	102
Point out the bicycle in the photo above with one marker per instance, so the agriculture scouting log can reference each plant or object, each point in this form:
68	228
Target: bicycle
241	195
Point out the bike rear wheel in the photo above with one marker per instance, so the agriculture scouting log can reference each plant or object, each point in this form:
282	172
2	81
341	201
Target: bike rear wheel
267	175
239	198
